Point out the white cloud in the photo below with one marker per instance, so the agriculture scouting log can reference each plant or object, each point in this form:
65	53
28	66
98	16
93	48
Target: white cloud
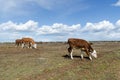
117	3
10	26
100	26
58	28
31	28
103	30
118	23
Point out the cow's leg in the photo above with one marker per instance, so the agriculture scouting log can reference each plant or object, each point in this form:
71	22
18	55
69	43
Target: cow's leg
18	44
71	54
87	52
23	45
27	45
70	50
82	55
30	45
90	57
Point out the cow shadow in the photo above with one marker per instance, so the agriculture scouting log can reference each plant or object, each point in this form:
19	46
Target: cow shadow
74	56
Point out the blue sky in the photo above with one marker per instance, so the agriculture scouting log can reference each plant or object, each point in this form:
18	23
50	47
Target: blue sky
58	20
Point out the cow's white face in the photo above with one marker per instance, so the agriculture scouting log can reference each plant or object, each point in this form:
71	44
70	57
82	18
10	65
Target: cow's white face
35	46
94	54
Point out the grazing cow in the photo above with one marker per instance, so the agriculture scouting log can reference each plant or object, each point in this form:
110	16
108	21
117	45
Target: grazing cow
29	42
83	45
18	42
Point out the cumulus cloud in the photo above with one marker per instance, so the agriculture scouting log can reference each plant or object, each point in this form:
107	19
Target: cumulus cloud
9	31
117	3
32	29
58	28
10	26
103	30
118	23
100	26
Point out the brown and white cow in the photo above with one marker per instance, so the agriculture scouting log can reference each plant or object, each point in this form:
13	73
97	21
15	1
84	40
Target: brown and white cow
18	42
28	42
83	45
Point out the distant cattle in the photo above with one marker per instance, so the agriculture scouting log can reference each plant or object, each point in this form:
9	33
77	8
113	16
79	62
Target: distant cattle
28	42
18	42
83	45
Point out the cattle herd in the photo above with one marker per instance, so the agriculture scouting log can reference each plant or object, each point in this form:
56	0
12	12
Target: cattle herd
81	44
26	42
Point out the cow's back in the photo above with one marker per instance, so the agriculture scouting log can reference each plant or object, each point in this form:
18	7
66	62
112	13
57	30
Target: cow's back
28	40
18	41
73	42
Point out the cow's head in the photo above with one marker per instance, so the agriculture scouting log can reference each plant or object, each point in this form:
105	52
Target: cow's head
94	53
34	46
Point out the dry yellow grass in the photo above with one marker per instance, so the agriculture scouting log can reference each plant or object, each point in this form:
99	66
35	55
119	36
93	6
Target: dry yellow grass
50	62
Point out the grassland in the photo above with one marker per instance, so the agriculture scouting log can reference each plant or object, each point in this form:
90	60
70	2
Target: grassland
50	62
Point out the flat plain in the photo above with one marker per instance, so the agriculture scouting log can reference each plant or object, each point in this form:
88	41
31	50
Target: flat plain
50	61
